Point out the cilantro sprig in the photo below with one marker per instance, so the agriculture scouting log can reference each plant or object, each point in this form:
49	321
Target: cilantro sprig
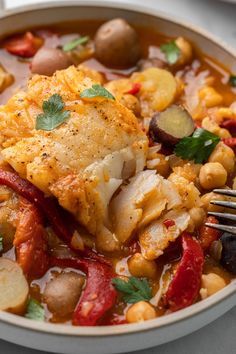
74	43
232	80
171	51
35	311
53	114
134	289
97	91
197	147
1	243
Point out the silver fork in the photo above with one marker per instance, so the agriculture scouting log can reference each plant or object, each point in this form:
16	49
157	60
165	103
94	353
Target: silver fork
226	216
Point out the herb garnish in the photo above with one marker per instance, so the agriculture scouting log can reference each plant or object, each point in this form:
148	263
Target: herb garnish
232	80
97	91
197	147
134	289
1	243
74	43
34	310
53	114
171	51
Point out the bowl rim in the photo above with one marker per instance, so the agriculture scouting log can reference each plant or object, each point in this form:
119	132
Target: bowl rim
171	319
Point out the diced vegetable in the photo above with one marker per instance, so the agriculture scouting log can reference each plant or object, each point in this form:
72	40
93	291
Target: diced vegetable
185	285
208	235
24	46
13	286
30	241
99	294
171	125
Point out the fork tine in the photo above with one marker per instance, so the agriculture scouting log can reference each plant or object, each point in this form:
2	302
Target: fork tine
229	192
226	228
231	205
227	216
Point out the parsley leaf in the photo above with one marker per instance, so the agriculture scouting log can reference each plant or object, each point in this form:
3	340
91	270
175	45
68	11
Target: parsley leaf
1	243
35	311
171	51
232	80
134	289
97	91
53	114
197	147
74	43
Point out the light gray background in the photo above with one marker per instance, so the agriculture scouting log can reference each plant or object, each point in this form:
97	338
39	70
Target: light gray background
220	336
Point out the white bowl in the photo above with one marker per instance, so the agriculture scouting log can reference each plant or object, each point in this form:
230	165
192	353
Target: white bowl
122	338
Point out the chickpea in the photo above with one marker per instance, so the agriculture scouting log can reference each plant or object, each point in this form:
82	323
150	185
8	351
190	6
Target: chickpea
212	175
186	50
224	155
210	97
141	267
197	216
139	312
208	197
212	283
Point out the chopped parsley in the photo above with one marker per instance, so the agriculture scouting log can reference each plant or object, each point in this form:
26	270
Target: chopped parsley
97	91
232	80
1	243
74	43
197	147
35	311
134	289
53	114
171	51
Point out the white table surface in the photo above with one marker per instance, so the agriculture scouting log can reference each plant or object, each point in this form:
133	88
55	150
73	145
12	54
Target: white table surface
220	336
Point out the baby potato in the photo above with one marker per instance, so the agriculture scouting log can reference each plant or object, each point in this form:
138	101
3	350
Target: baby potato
212	175
48	60
139	312
62	293
158	87
117	44
14	288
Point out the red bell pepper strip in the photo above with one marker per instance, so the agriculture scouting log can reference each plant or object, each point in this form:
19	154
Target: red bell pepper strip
136	86
99	294
30	241
184	287
207	235
230	125
24	46
47	205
